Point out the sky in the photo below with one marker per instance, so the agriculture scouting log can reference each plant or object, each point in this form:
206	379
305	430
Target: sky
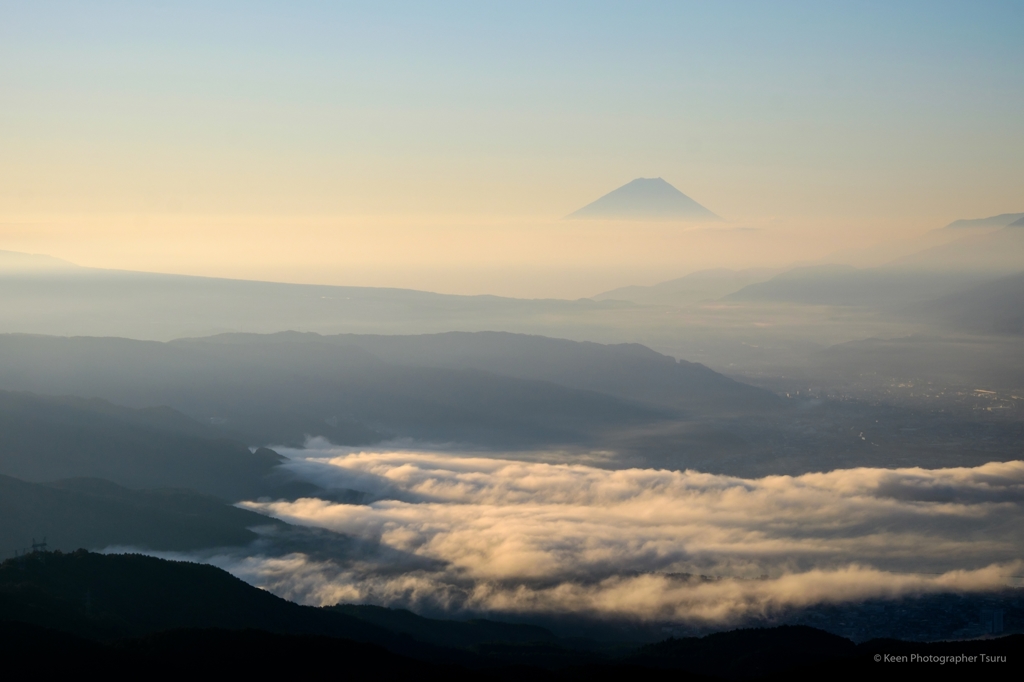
438	145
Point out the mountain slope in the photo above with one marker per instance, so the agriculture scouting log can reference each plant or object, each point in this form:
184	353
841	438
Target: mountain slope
110	597
695	287
117	595
94	514
848	286
458	633
282	388
141	305
993	222
630	371
645	199
46	438
16	263
132	609
748	652
998	251
991	308
220	653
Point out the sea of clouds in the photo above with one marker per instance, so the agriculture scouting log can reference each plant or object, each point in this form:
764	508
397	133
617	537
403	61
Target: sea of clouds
466	533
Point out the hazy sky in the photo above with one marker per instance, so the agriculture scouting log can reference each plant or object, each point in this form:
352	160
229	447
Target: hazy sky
209	137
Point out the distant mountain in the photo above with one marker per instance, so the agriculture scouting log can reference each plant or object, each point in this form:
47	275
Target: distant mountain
890	250
698	286
645	199
995	221
995	307
627	370
848	286
995	362
959	240
13	262
494	389
282	388
76	301
993	245
999	251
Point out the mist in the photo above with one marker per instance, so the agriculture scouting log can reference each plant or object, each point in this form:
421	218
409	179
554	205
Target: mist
661	335
463	533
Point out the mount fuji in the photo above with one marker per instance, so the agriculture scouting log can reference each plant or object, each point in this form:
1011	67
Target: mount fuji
645	199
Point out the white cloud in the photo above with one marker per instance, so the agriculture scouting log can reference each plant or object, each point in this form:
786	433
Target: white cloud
515	536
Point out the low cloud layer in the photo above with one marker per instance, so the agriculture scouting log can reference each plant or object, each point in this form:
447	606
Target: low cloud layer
483	534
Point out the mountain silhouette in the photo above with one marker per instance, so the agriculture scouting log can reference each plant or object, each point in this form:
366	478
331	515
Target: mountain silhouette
645	199
995	221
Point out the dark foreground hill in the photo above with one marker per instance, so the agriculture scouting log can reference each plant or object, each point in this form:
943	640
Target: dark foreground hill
128	611
799	652
256	652
112	597
217	652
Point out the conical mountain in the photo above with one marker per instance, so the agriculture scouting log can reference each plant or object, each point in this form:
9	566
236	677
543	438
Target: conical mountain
645	199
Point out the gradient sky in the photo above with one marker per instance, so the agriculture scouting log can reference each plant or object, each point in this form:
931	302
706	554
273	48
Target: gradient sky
214	137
